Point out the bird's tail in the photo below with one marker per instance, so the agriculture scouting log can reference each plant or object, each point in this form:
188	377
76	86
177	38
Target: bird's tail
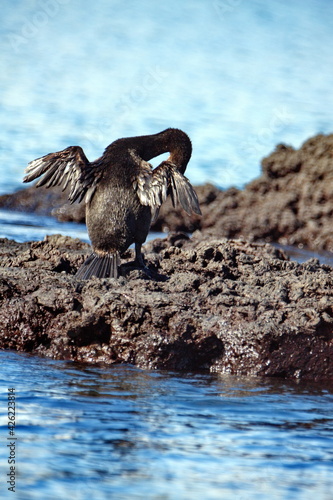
101	266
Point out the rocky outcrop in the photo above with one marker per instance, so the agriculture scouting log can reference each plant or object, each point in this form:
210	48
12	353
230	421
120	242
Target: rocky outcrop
225	306
290	203
44	202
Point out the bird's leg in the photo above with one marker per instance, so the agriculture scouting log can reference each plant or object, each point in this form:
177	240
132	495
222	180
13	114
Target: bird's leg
138	255
139	260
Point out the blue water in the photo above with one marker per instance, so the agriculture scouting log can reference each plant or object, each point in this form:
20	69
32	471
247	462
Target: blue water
239	77
89	432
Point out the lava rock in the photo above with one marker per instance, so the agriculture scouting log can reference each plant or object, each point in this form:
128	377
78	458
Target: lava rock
216	305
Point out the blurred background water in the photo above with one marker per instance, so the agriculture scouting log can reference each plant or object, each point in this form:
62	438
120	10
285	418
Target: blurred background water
239	77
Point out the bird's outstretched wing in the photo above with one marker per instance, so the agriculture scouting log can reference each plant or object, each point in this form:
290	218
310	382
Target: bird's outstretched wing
67	167
153	187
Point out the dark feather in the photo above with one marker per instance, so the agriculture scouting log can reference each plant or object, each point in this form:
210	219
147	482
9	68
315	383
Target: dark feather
153	187
105	266
67	167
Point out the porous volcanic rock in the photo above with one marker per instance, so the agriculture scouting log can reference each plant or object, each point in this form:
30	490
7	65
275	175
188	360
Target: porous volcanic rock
44	201
290	203
225	306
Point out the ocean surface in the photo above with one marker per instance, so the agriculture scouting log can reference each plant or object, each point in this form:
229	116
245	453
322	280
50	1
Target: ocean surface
85	432
239	77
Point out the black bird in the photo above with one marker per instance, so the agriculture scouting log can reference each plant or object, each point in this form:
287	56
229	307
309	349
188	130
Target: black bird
122	191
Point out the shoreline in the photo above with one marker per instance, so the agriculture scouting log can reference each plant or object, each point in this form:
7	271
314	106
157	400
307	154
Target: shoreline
221	301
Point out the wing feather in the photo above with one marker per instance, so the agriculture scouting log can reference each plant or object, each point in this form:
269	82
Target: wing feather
69	167
153	187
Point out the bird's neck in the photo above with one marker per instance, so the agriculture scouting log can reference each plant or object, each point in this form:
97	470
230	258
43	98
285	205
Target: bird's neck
171	140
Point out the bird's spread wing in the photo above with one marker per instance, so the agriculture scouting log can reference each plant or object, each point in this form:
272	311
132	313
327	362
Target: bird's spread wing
67	167
153	187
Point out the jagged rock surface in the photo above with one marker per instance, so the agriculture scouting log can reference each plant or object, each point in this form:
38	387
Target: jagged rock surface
224	306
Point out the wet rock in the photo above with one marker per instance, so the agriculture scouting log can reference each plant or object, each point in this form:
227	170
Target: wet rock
44	202
224	306
290	203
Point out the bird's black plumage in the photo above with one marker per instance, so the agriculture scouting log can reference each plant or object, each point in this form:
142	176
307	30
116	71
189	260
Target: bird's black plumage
122	191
